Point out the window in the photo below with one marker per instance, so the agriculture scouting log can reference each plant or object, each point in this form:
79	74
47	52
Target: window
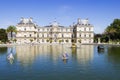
30	35
85	35
47	35
42	35
24	35
42	40
80	35
89	35
24	29
62	35
55	35
84	29
43	30
89	29
37	35
47	29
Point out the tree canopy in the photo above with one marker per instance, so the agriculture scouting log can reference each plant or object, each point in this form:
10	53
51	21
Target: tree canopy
3	35
11	29
113	30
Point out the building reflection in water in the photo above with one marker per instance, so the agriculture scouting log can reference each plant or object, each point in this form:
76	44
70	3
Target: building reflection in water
84	53
28	54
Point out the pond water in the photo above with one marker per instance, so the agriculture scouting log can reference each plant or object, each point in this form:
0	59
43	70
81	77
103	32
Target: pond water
44	62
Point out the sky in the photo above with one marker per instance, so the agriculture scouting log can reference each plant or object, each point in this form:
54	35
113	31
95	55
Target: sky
100	13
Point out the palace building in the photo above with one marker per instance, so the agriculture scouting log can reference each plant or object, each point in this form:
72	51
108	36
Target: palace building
29	32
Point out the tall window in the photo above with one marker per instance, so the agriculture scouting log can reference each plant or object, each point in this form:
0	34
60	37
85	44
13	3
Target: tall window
24	29
24	35
62	35
85	35
47	29
47	35
30	35
89	35
84	29
42	35
80	35
89	29
42	40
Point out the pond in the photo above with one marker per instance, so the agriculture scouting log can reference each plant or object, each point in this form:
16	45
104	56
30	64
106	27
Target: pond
44	62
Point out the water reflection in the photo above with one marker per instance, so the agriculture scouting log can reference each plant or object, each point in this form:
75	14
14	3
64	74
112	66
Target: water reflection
85	53
3	50
28	54
114	54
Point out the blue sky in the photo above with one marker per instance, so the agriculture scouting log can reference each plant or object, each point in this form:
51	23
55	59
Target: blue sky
99	12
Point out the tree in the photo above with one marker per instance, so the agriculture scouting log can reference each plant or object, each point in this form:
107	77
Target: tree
11	29
113	31
79	40
60	41
66	40
31	40
3	35
47	40
15	40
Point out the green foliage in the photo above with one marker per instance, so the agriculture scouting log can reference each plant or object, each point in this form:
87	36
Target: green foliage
31	40
113	31
60	41
11	29
3	35
79	40
47	40
15	40
66	40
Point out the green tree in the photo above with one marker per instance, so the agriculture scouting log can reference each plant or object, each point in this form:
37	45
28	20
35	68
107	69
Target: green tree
10	30
113	30
66	40
47	40
3	35
60	41
79	40
31	40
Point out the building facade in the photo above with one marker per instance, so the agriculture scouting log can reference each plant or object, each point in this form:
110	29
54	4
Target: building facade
29	32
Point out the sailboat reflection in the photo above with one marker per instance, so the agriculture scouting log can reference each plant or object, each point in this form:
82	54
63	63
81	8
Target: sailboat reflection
10	56
65	57
65	61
